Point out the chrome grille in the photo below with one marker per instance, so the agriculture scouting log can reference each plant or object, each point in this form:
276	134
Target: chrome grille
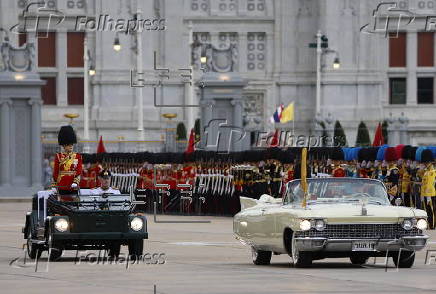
361	231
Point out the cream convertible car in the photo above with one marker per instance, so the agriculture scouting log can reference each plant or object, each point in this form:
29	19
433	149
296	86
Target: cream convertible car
343	217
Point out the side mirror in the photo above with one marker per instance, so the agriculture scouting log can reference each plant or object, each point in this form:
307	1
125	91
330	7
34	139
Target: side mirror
398	201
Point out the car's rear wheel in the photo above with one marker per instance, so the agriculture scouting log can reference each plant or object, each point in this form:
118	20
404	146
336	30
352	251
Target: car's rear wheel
114	250
261	257
55	253
33	251
136	248
300	258
406	260
359	259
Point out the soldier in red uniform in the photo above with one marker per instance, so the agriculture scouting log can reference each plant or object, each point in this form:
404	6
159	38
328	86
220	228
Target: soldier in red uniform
67	164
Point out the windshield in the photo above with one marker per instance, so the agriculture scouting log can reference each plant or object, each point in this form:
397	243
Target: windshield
337	190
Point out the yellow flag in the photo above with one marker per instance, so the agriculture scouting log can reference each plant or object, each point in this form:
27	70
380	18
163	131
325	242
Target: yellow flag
287	113
303	181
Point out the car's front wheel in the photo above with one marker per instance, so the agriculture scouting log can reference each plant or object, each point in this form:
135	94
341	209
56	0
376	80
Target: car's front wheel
300	258
405	260
114	250
261	257
55	254
136	248
359	259
33	251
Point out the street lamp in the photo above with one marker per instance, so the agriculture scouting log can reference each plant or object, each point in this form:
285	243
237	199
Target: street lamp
91	70
321	46
203	58
117	45
336	63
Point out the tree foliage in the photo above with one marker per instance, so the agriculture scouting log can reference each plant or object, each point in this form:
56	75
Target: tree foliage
363	139
339	137
181	131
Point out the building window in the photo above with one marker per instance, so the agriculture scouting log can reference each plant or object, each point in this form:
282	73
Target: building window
425	49
256	51
48	91
22	39
75	91
46	49
75	44
397	50
397	91
425	90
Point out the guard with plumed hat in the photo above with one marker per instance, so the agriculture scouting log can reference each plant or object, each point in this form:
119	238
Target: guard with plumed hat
67	164
428	191
393	176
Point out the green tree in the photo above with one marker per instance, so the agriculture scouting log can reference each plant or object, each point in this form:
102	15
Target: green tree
385	131
339	137
363	139
181	131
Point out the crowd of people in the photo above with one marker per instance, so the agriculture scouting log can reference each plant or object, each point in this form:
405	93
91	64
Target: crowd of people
213	186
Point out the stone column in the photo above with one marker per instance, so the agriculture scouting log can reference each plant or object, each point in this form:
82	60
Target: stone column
404	129
393	132
36	148
206	111
411	60
242	51
5	141
237	122
61	62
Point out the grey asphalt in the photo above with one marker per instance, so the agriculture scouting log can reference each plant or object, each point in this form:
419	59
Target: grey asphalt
199	258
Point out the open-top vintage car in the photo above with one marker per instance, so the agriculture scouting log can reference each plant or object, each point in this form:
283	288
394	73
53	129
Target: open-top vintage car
337	217
84	222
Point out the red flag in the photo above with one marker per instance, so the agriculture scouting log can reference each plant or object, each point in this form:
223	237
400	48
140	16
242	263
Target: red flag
100	148
275	139
378	137
191	143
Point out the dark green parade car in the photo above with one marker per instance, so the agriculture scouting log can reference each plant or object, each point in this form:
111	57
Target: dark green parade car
88	222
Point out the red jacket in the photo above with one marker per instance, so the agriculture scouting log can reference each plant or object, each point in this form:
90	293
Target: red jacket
67	170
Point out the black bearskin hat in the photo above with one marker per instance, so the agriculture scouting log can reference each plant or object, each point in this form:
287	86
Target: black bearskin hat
426	156
67	136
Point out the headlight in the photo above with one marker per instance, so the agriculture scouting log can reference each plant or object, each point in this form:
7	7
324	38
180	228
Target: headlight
421	224
61	225
407	224
305	225
136	224
319	225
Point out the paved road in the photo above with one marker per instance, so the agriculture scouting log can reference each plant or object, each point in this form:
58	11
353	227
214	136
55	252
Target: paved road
199	258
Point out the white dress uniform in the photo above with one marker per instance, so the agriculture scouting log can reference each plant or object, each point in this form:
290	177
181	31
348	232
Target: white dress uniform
100	191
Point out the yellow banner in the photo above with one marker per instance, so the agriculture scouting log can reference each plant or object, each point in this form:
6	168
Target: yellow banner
304	175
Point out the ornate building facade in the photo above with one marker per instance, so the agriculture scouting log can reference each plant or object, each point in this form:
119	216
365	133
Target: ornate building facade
380	78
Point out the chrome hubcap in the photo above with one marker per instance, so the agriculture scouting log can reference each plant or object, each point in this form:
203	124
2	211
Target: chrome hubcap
295	252
253	253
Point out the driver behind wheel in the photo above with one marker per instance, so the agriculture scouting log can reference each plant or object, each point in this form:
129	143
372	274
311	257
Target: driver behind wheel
105	182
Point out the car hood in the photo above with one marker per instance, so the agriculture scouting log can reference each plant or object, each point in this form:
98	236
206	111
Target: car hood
344	212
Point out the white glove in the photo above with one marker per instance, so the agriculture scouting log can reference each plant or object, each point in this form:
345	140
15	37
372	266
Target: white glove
54	190
73	185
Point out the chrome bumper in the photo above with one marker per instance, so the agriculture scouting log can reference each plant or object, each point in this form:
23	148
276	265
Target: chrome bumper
413	243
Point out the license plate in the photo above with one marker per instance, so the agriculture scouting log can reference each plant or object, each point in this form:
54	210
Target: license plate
363	246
